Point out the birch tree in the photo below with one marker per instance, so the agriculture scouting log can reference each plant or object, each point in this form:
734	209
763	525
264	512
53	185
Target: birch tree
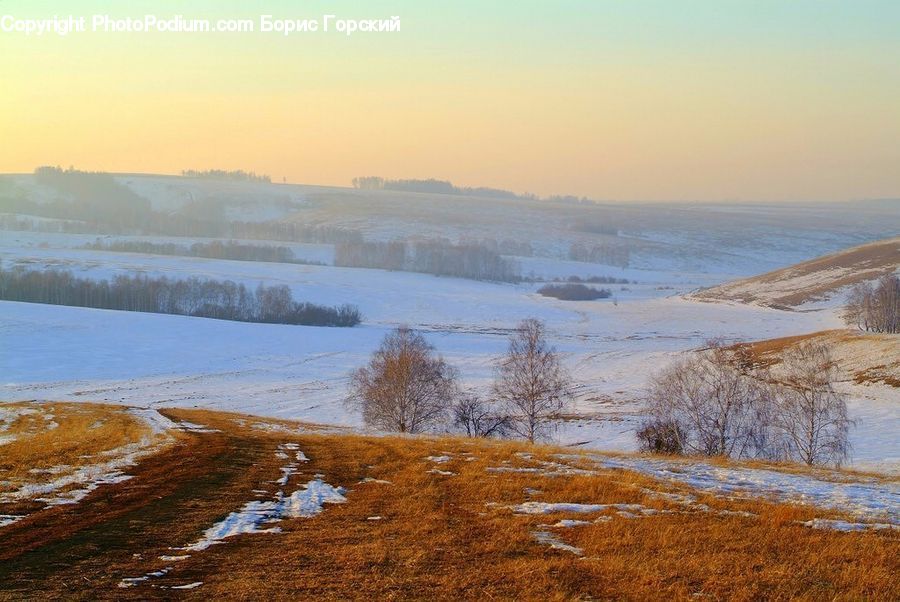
810	415
531	382
405	387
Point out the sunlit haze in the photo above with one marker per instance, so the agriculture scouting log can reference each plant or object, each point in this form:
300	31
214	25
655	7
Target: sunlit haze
654	100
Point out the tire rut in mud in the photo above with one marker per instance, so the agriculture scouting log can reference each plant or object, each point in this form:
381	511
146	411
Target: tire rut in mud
118	530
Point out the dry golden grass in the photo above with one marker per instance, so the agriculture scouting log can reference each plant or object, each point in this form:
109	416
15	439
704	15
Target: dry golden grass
862	357
444	537
451	537
62	436
793	285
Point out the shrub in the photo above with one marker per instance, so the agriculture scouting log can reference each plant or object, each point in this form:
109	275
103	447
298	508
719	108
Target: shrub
574	292
661	437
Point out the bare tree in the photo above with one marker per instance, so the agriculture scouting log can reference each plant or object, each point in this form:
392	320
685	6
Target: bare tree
405	387
810	417
875	308
479	418
531	382
707	404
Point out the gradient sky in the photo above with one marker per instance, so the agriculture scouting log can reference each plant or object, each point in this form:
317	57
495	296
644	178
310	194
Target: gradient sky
611	99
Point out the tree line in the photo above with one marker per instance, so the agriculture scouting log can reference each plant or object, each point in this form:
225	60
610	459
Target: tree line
230	250
875	307
234	175
617	254
430	257
126	216
430	185
223	300
435	186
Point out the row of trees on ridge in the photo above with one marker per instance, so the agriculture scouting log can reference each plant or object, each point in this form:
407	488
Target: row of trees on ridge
224	300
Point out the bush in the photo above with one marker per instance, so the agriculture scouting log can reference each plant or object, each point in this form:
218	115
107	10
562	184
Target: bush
574	292
476	417
661	437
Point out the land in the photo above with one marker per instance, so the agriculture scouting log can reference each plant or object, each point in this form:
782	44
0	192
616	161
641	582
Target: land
153	456
445	518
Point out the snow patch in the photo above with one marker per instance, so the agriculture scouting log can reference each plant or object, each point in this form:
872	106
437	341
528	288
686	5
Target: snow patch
439	459
548	539
841	525
303	503
8	519
869	499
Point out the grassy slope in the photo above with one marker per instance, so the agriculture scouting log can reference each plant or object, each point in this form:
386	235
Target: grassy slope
863	357
438	537
812	280
62	437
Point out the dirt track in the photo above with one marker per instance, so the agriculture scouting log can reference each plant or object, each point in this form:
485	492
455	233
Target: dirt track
81	551
417	528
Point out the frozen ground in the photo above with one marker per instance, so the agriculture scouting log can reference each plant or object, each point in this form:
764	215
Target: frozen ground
611	346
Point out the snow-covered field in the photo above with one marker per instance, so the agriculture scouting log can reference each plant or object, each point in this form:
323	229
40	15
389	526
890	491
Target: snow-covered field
610	345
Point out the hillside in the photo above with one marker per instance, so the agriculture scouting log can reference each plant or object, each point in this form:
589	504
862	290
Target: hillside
723	238
862	357
230	504
819	279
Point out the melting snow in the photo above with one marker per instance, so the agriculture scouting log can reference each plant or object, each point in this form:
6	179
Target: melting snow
195	428
246	520
304	502
309	500
132	581
840	525
568	522
549	539
8	519
866	498
547	508
379	481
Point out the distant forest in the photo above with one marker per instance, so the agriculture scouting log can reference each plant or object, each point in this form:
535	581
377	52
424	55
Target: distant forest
615	254
223	300
211	250
430	257
430	185
101	205
434	186
237	175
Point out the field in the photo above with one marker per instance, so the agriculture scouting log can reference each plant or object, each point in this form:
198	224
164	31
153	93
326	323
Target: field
244	506
151	456
611	346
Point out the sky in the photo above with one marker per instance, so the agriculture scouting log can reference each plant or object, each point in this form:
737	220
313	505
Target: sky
764	100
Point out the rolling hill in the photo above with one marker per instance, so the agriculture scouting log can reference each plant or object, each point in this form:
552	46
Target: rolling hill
819	279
